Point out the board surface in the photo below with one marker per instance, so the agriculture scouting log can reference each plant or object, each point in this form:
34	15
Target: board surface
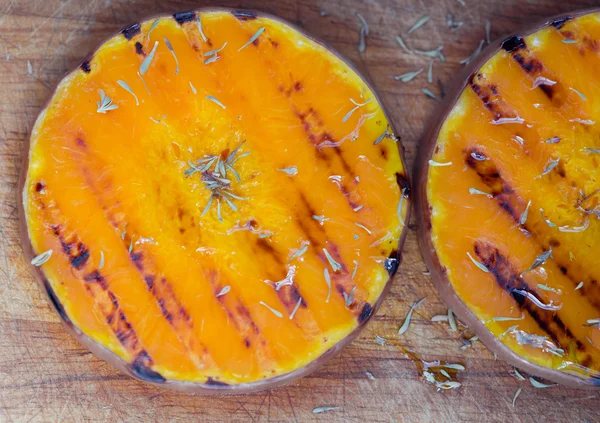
45	375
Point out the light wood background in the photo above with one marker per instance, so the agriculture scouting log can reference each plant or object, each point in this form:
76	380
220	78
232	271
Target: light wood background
47	376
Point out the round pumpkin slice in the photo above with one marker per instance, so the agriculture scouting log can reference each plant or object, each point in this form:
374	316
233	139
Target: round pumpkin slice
215	201
509	199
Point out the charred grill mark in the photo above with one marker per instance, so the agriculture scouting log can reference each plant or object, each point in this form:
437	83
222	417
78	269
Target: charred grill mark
86	65
139	48
184	17
56	302
80	142
137	259
213	382
245	314
79	260
150	280
365	313
131	31
383	152
489	96
558	23
514	44
244	15
141	368
528	64
39	186
488	172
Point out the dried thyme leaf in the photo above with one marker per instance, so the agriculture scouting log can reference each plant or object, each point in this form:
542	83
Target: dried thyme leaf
480	265
540	385
298	253
567	41
349	298
539	260
193	88
253	38
212	59
430	72
211	52
434	163
519	375
334	264
445	373
592	150
583	97
224	291
546	288
403	44
356	268
507	319
172	50
105	104
320	218
363	33
275	312
41	258
29	68
214	100
439	318
101	264
551	164
488	30
370	375
126	87
328	282
525	213
475	191
454	366
579	286
143	82
199	24
363	227
154	24
452	321
290	170
408	318
146	63
473	55
516	396
380	340
409	76
418	24
382	136
435	53
549	223
429	94
319	410
296	307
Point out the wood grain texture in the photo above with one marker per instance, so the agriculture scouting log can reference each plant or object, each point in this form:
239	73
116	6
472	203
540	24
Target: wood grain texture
46	376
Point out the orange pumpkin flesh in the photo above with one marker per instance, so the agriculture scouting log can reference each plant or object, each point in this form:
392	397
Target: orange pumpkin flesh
184	291
513	175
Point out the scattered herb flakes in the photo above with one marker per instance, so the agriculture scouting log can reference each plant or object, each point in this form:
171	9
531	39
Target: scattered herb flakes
41	258
418	24
473	55
380	340
334	264
434	163
357	208
193	88
567	41
127	88
518	375
131	243
212	59
172	50
296	307
199	25
349	298
429	94
579	286
370	375
593	323
253	38
263	235
319	410
214	100
583	97
475	191
546	288
439	318
144	82
355	236
214	52
154	24
356	268
435	53
382	136
539	260
299	252
363	227
275	312
224	291
101	264
454	366
583	121
507	319
488	30
148	60
328	282
516	396
452	321
320	218
523	219
548	222
355	108
540	385
402	44
409	76
552	140
581	228
445	373
452	23
510	329
363	33
540	80
105	104
430	72
290	170
477	263
592	150
29	68
503	121
408	318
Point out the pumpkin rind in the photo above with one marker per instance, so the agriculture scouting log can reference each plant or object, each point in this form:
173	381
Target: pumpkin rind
140	261
515	133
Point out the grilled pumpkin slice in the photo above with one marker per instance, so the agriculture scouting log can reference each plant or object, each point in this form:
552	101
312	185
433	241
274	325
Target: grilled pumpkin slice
216	199
509	203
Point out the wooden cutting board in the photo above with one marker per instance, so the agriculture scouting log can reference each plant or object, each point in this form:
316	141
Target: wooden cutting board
47	376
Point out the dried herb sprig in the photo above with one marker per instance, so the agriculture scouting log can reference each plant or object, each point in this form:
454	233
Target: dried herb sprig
253	38
408	318
105	104
41	258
